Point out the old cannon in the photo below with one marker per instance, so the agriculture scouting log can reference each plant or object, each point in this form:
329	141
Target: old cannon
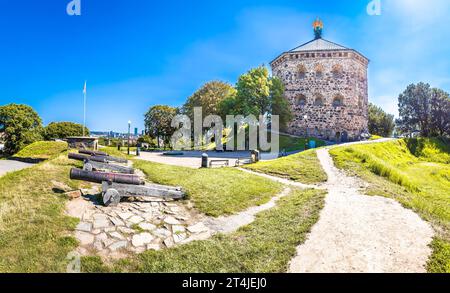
93	153
99	177
101	159
100	166
117	186
113	192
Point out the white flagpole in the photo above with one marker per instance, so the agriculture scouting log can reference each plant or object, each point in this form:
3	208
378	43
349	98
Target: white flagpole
84	110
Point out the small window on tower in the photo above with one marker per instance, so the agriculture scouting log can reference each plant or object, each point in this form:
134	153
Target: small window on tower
338	101
337	70
300	100
319	100
319	70
301	70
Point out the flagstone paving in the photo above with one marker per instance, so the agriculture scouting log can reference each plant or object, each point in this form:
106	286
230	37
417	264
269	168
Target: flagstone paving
133	226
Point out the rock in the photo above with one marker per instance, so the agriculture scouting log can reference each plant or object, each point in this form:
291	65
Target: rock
100	216
125	230
147	216
110	229
108	241
176	229
197	228
171	221
87	216
101	223
61	186
153	247
84	237
96	231
117	235
169	242
135	219
125	215
73	194
142	239
181	218
162	233
98	245
198	237
118	245
101	237
84	227
116	221
177	238
175	209
147	226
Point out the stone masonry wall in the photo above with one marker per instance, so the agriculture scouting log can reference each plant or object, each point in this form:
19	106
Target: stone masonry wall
315	83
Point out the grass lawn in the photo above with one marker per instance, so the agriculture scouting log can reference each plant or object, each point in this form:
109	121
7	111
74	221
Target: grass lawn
265	246
290	144
42	150
113	151
33	228
214	192
302	167
375	137
414	172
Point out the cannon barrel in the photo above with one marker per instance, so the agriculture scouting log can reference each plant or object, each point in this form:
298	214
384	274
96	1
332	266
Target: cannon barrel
101	159
93	153
112	159
80	157
99	177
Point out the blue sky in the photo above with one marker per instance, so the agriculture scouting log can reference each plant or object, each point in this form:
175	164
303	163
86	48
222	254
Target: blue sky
137	53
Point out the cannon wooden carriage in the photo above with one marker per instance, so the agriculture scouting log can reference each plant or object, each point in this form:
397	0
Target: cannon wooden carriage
117	186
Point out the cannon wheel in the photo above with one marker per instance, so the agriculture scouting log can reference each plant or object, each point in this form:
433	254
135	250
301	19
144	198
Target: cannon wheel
88	167
111	197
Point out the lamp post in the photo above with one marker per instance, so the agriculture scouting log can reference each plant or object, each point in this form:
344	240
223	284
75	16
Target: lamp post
129	133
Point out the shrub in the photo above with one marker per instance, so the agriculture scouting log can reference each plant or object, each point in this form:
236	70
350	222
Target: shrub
62	130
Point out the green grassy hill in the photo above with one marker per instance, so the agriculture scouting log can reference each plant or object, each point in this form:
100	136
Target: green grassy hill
42	150
303	167
416	172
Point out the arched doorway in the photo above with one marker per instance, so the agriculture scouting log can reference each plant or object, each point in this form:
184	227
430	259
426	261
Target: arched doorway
338	137
344	137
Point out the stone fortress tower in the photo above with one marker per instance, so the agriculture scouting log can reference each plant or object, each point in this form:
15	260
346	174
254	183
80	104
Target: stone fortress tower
326	86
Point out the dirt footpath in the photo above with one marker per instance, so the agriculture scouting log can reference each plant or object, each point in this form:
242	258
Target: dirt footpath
359	233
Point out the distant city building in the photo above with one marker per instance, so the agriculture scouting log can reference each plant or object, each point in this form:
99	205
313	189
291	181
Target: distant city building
326	86
136	131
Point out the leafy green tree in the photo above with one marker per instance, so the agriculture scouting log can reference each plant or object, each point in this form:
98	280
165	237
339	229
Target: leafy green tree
423	109
253	92
440	113
20	126
62	130
158	121
258	94
209	97
380	122
280	105
414	109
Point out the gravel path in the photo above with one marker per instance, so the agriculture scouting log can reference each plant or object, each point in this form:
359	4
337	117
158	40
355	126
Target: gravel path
7	166
229	224
358	233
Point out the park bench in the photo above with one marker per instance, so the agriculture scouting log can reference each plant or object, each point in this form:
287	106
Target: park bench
219	162
243	161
